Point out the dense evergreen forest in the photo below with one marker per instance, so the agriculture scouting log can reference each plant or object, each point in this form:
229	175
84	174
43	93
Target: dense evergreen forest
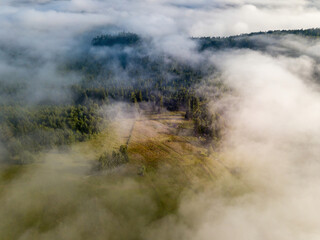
252	40
25	130
121	67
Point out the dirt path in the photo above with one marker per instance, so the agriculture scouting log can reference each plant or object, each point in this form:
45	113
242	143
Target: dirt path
130	133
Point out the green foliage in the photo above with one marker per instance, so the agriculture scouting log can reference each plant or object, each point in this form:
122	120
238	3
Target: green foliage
249	40
131	76
124	38
117	158
27	130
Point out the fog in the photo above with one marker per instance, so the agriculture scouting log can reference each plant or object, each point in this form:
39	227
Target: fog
48	32
273	139
271	112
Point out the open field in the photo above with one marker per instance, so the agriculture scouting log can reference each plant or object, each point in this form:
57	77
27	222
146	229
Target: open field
49	199
166	140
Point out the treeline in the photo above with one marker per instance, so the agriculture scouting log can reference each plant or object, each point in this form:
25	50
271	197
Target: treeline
311	32
109	161
250	41
206	124
132	74
228	42
136	76
239	41
25	130
124	38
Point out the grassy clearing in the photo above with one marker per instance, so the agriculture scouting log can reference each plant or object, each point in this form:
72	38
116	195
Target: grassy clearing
60	197
166	140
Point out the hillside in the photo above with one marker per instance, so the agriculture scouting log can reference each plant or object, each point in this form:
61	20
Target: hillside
166	161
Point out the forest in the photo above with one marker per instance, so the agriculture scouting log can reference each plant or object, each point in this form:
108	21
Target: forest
159	120
123	71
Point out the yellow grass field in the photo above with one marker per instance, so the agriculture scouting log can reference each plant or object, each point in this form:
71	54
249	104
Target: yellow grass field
49	198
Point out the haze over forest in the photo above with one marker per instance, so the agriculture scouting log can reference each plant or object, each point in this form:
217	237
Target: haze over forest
160	119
